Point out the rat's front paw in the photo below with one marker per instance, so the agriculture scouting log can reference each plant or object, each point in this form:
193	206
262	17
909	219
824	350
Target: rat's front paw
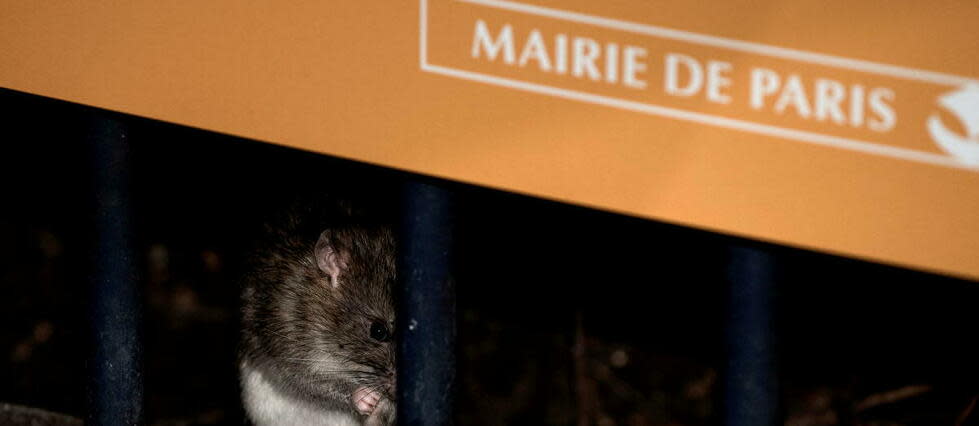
383	415
365	400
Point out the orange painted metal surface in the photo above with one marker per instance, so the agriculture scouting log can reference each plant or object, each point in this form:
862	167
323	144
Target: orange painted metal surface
851	128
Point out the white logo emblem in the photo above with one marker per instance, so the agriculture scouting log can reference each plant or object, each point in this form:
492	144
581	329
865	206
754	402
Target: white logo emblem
964	104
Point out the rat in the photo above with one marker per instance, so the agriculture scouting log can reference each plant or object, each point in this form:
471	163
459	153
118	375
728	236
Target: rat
317	344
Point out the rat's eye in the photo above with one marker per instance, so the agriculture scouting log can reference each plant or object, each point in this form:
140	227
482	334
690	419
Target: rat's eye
380	332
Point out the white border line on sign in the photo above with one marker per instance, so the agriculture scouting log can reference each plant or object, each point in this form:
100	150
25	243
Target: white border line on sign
727	43
730	123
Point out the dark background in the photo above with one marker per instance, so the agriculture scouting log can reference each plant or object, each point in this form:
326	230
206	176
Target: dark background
858	343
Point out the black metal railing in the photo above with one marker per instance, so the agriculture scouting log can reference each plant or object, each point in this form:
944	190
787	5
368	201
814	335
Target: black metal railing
115	392
426	310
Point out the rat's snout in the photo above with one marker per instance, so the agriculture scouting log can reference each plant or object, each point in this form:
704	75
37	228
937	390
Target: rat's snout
391	385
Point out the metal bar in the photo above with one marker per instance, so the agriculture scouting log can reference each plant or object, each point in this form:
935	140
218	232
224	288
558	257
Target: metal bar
751	391
116	383
426	316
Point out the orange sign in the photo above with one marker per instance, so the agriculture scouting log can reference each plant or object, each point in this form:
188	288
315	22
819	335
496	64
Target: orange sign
845	127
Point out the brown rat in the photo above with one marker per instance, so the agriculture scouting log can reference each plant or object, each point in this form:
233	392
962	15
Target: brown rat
318	323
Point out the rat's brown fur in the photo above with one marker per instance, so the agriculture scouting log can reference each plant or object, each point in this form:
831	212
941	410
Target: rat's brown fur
307	337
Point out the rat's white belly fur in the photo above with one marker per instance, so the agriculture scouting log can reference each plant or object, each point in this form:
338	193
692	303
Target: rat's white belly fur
267	406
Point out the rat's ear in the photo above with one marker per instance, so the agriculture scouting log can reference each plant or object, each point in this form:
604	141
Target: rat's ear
330	257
